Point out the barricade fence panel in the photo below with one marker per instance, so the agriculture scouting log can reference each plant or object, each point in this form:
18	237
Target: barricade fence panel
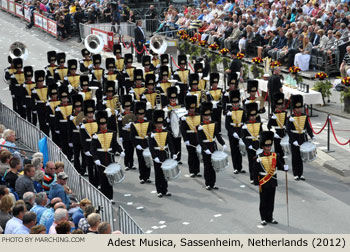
126	224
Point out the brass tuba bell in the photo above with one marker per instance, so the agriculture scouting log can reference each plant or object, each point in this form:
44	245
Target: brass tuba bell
158	44
18	50
93	43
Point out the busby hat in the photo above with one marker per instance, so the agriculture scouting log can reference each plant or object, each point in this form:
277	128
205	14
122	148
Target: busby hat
266	138
198	67
84	80
235	96
72	64
110	86
140	107
39	75
190	101
52	89
182	59
63	92
164	71
150	79
214	78
193	79
252	109
117	49
171	92
297	101
146	60
164	59
252	86
51	56
138	74
126	101
232	79
61	57
85	52
101	117
17	62
158	116
28	71
9	59
110	63
128	58
96	59
206	108
89	106
153	52
278	98
77	100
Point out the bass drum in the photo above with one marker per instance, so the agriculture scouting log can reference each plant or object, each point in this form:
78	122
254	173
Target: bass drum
170	169
175	117
114	173
308	152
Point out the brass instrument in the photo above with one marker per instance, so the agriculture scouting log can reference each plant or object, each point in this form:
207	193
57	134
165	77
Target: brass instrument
158	100
158	44
18	50
93	43
128	118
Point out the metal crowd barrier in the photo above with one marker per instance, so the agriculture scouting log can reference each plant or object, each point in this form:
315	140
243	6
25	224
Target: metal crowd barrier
126	224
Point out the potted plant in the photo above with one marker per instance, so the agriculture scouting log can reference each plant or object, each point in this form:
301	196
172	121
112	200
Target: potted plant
193	40
323	86
294	70
213	46
224	51
240	56
345	94
254	68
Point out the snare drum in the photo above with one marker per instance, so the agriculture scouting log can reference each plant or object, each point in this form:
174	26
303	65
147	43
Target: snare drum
199	153
114	173
308	152
170	169
242	148
285	145
219	160
175	116
148	157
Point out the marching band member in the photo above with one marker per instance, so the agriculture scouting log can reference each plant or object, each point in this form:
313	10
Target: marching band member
51	106
193	81
72	78
103	147
208	133
60	71
163	84
278	121
27	90
61	117
155	61
51	67
188	127
297	127
87	129
85	91
16	88
96	71
181	75
111	74
160	143
232	83
252	88
250	134
214	96
172	104
117	51
110	102
86	62
9	70
198	69
128	72
39	95
74	133
146	63
264	175
233	123
164	61
138	87
150	96
125	119
139	136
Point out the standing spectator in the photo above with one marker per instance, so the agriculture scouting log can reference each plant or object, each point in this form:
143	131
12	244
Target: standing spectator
125	13
6	205
5	158
140	39
50	176
17	219
58	190
12	174
151	21
29	220
78	19
25	182
132	18
40	205
67	22
29	200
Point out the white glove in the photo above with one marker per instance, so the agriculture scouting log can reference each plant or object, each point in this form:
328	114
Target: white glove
291	119
224	147
138	147
157	160
207	152
122	154
295	143
235	135
70	145
57	131
277	136
244	126
250	147
187	143
229	113
127	126
70	88
152	135
285	167
98	162
24	106
174	156
120	139
88	154
273	116
258	160
314	138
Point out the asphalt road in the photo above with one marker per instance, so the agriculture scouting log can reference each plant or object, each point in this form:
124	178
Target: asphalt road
318	205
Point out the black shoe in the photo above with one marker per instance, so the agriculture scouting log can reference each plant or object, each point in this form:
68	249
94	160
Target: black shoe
160	195
180	163
133	167
302	178
192	175
198	175
127	168
215	187
242	171
148	181
142	181
167	194
263	223
273	221
208	188
235	171
296	178
113	202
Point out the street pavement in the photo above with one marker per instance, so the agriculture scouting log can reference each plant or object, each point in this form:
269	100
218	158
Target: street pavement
321	204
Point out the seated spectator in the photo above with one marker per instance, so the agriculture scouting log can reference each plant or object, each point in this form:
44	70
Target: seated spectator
12	175
78	231
49	177
10	139
29	220
6	205
17	219
3	191
104	228
345	65
40	205
302	59
83	224
59	166
25	182
94	220
2	129
61	215
5	158
39	173
51	220
48	213
63	228
80	213
38	229
29	200
58	190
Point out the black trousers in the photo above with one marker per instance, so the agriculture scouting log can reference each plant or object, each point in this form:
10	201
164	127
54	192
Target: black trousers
139	48
216	117
209	173
145	171
31	117
297	163
78	151
42	124
20	109
193	160
92	170
161	182
278	149
65	148
267	203
251	161
129	154
177	146
106	188
235	153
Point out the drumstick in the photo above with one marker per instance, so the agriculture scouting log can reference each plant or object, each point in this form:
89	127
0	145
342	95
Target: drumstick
287	195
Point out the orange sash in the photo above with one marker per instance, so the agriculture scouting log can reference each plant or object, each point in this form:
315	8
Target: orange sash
269	170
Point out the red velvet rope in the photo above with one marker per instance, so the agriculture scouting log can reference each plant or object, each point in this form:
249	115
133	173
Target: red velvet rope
335	137
324	126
